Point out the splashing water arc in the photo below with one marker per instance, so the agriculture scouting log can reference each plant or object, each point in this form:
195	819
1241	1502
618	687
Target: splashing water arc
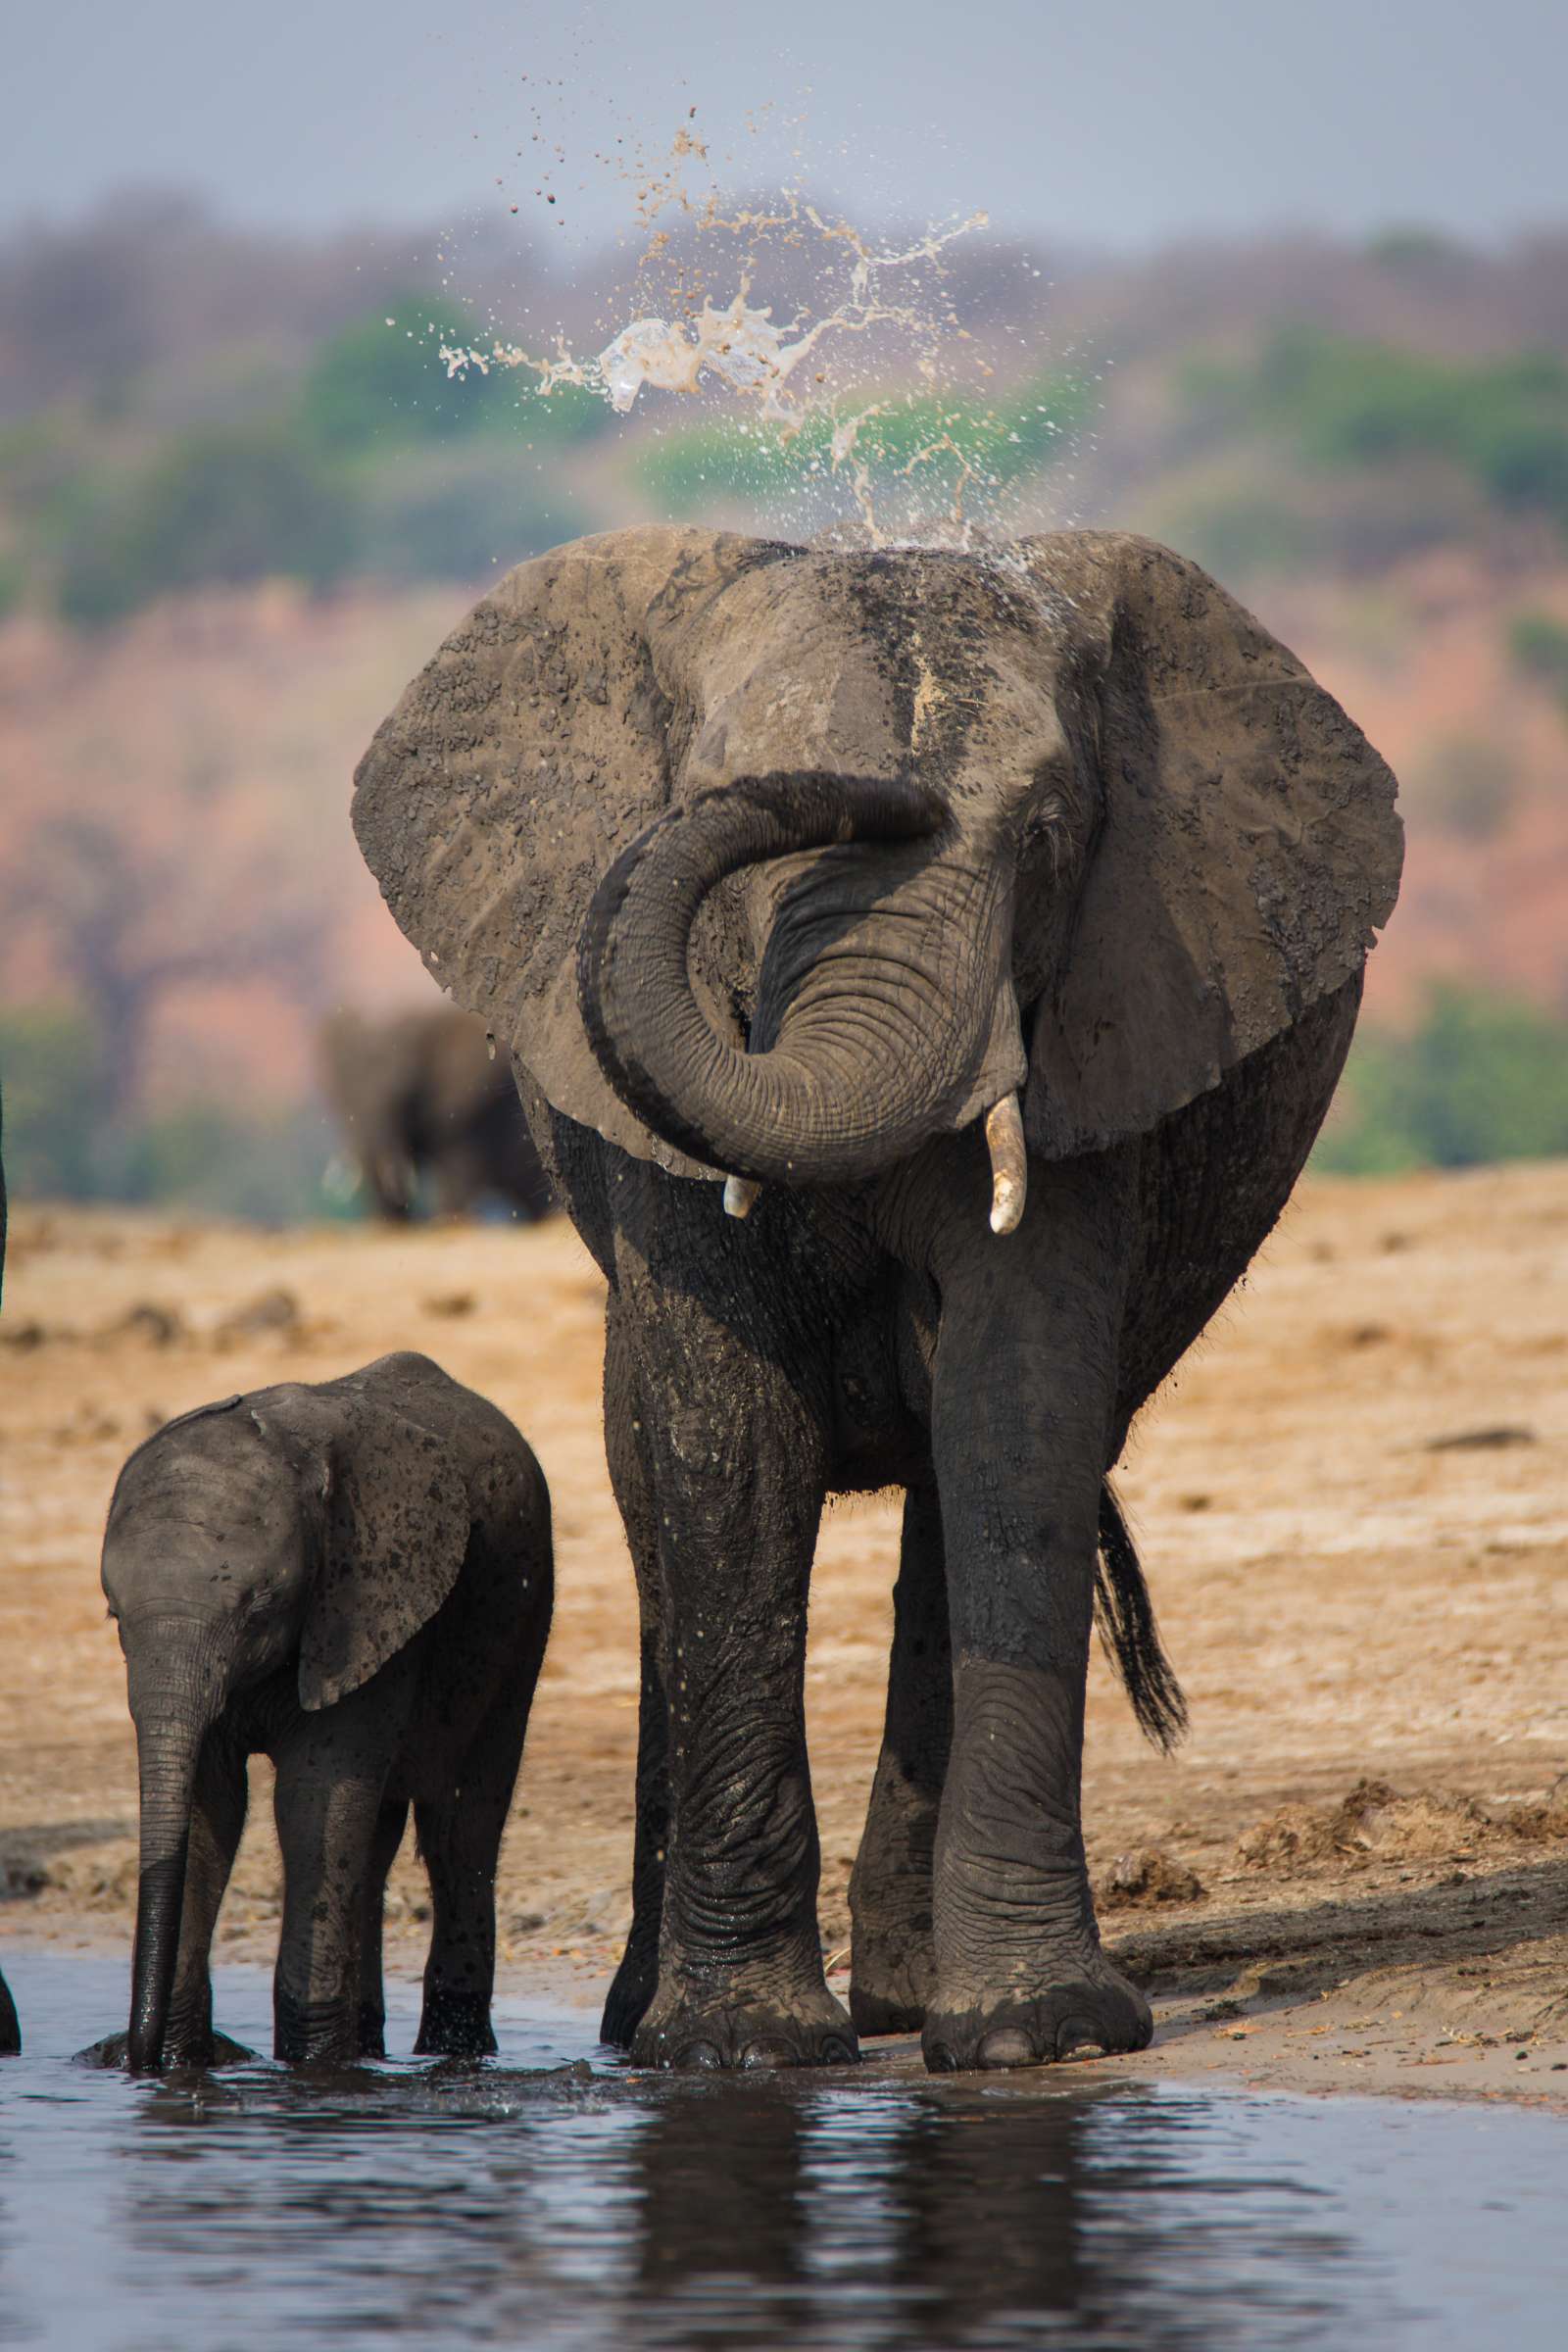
694	346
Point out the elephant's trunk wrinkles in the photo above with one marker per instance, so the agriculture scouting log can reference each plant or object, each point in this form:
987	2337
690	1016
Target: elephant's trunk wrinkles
873	1014
172	1717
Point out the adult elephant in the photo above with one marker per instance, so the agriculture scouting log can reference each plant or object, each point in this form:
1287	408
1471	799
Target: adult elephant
822	872
422	1095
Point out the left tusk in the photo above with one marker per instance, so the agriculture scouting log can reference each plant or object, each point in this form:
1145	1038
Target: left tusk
1010	1174
740	1194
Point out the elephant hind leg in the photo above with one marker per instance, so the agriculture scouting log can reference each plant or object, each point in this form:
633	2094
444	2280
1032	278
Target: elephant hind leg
10	2030
390	1824
460	1840
893	1963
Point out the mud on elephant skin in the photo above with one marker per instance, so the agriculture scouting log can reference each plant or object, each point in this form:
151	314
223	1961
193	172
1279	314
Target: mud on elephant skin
986	937
355	1579
423	1097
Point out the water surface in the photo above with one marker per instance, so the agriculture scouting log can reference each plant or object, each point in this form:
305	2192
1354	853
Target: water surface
514	2203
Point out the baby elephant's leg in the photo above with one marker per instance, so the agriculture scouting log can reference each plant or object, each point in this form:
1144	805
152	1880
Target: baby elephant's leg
459	1841
333	1770
390	1824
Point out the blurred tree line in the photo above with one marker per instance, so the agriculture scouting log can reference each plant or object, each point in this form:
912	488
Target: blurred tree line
371	464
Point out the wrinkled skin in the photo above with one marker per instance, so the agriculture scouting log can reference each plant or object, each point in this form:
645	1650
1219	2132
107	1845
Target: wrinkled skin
419	1096
355	1579
10	2029
997	933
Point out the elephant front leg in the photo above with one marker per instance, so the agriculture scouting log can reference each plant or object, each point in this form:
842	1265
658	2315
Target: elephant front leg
217	1822
892	1960
1023	1405
626	1447
738	1471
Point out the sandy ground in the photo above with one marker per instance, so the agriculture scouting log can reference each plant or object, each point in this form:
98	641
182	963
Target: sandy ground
1351	1502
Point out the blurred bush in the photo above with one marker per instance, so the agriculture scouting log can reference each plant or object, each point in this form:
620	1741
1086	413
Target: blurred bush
59	1144
1481	1078
1538	645
947	444
217	508
1343	401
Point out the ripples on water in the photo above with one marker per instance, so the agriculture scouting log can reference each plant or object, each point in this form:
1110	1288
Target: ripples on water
509	2204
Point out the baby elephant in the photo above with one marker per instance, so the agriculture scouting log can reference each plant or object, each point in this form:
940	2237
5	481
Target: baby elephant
356	1579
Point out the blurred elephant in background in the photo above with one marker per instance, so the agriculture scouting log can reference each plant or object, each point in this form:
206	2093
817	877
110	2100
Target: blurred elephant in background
419	1095
988	936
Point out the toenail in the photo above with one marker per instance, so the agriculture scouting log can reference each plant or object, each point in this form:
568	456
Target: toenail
1078	2039
1010	2045
700	2054
767	2053
940	2060
838	2053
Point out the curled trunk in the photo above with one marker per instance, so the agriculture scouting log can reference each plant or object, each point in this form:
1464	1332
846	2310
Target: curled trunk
878	992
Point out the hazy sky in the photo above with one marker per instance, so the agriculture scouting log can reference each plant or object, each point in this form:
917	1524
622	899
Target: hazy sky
1117	123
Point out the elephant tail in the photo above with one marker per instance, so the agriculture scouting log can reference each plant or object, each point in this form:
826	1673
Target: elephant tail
1125	1615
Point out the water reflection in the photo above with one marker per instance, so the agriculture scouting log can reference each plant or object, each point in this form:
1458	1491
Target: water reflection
457	2205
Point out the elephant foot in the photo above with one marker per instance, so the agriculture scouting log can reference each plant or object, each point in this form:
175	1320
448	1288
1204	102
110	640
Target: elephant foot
455	2025
1088	2011
314	2032
211	2049
630	1995
693	2034
890	1986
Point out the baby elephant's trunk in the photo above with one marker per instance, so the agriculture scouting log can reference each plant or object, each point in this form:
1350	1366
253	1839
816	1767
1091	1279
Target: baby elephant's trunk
172	1721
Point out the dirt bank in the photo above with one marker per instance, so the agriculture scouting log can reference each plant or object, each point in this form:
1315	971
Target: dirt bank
1352	1504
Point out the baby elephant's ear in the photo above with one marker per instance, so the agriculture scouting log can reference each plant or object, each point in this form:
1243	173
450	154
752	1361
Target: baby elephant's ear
1247	846
397	1530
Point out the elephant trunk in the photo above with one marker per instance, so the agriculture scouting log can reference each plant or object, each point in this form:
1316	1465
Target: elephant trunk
172	1715
877	996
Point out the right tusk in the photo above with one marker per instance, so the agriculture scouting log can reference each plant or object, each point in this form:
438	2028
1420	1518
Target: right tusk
1009	1172
740	1194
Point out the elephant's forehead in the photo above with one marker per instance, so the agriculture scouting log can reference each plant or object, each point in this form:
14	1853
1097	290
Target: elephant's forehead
860	662
220	1476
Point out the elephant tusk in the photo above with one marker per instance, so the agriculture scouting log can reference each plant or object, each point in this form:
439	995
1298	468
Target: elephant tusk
740	1194
1010	1173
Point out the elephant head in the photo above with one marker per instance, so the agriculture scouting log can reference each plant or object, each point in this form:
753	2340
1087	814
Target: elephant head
777	862
313	1530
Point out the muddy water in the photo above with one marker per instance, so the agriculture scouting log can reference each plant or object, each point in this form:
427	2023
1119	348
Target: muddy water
554	2198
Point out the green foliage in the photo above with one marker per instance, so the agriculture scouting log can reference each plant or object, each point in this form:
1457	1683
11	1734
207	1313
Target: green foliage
202	1154
211	1157
1353	403
1482	1079
48	1063
943	441
230	506
1538	643
461	513
383	381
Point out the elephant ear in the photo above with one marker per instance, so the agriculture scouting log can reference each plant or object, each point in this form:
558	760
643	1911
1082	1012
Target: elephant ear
1247	847
543	738
397	1522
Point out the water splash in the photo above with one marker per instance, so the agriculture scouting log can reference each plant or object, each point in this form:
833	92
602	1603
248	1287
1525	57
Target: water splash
863	406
